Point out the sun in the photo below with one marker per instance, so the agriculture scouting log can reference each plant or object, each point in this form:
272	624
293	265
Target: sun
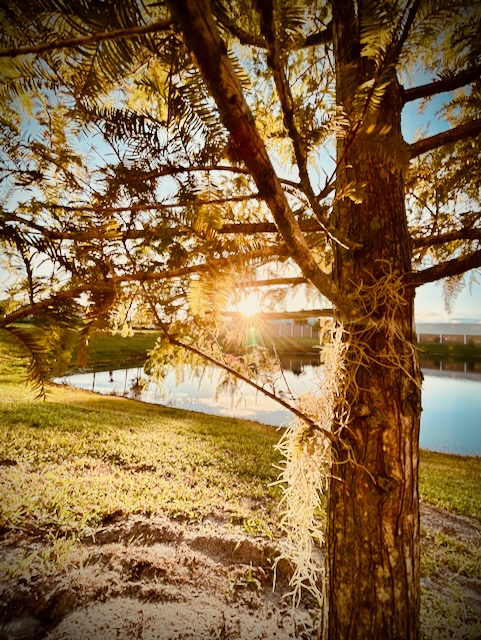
249	305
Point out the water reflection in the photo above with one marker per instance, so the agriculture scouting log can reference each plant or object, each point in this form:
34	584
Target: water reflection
297	362
452	369
450	420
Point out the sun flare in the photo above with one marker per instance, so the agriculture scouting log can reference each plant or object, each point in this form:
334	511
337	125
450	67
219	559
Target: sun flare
249	305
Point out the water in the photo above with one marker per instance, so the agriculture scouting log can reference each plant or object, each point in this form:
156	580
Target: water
451	417
450	421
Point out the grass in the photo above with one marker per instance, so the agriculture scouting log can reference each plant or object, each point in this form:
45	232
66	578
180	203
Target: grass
451	482
456	352
286	344
447	551
108	351
81	459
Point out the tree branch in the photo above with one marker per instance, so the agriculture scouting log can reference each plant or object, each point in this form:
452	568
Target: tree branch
274	60
454	267
456	81
202	37
467	130
250	228
286	315
243	36
115	34
266	392
160	206
312	40
141	276
172	171
97	233
93	233
458	234
52	301
272	282
265	227
212	265
319	38
402	30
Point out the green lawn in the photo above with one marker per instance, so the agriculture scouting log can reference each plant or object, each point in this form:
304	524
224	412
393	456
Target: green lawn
80	457
456	352
107	351
451	481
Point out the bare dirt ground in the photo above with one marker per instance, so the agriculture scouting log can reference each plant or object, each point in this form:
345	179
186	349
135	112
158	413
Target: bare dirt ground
153	578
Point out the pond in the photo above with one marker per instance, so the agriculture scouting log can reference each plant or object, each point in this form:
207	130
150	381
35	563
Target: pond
450	421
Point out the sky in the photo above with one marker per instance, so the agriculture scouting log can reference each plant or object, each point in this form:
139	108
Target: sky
429	305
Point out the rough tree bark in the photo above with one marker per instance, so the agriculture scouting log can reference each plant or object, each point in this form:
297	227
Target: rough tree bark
373	512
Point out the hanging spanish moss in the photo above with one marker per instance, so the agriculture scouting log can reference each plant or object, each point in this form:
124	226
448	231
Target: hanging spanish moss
305	471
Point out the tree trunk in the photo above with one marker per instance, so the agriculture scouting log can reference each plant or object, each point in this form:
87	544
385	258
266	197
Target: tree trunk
373	509
373	512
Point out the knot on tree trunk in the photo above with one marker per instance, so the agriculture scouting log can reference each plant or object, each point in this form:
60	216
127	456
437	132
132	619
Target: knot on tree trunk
385	483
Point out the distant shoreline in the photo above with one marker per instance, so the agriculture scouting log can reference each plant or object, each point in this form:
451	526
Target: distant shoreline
110	352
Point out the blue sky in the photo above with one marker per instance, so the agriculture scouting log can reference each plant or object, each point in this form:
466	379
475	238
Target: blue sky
429	298
429	303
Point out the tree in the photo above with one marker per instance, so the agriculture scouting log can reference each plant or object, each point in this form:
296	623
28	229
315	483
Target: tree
258	144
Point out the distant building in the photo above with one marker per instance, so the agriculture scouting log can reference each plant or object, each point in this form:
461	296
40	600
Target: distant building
468	333
293	329
449	333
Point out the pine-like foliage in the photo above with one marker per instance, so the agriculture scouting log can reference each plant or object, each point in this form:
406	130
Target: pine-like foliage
118	171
